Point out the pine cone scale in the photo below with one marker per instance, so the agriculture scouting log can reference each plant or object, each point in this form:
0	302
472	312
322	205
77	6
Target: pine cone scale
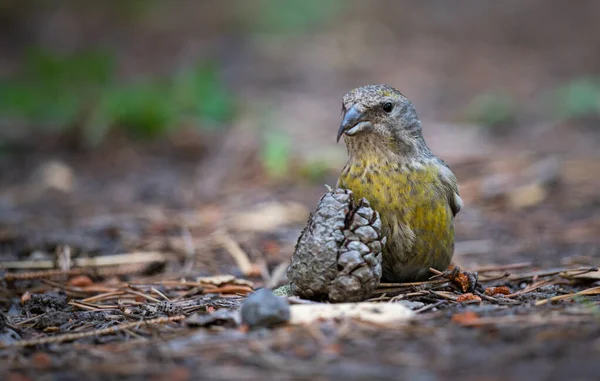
338	255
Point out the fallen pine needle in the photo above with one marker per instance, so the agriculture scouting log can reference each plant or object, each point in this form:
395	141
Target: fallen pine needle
588	292
412	284
532	287
230	289
103	296
545	273
511	266
233	248
277	274
160	294
103	260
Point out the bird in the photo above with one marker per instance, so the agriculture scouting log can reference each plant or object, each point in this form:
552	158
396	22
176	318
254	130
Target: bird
414	191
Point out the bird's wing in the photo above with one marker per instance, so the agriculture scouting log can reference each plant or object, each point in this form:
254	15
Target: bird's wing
450	187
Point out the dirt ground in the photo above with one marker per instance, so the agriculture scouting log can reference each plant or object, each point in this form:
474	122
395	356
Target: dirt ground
169	218
528	247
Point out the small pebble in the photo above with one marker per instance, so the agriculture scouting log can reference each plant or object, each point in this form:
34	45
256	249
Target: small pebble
263	309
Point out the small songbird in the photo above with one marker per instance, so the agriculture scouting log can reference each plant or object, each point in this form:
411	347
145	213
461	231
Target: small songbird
391	166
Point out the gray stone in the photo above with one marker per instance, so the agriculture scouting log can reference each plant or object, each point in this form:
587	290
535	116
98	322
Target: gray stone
264	309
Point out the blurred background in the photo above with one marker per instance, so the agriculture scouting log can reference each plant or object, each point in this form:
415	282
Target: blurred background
124	121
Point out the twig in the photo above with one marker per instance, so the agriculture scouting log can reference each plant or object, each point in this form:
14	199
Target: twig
485	279
573	274
445	295
160	294
233	248
502	301
231	289
512	266
90	306
105	271
190	250
83	306
408	295
589	291
101	297
70	290
104	260
412	284
263	269
382	297
386	291
532	287
192	292
139	337
29	320
277	274
30	275
430	306
97	332
126	269
546	273
148	297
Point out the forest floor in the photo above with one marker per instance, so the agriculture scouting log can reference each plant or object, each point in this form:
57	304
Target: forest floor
114	268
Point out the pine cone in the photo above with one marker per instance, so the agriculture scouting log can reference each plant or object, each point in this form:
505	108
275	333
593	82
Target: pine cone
338	254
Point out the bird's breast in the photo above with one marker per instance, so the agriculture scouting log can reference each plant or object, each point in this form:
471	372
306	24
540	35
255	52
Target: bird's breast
407	193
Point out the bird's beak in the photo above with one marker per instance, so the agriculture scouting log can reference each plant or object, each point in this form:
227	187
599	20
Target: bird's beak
351	118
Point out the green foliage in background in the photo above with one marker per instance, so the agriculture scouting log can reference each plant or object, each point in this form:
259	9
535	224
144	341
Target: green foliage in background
200	93
291	16
51	90
315	170
579	98
493	109
55	92
275	153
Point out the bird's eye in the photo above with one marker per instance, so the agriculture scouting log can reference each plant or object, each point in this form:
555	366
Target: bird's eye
388	107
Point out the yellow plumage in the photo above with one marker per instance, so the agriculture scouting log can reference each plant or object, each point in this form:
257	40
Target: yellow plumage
416	217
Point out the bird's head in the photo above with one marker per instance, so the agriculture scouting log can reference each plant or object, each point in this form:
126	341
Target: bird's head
380	117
